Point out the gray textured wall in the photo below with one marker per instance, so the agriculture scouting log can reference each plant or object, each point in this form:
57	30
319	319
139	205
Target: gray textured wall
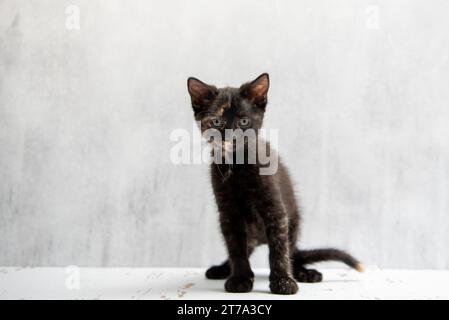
359	93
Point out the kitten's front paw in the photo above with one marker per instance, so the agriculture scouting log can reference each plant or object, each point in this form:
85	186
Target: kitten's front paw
239	284
283	285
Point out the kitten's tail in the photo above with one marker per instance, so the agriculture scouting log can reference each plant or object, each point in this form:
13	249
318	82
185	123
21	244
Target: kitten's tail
304	257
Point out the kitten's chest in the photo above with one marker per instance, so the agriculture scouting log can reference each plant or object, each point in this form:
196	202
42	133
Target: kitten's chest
238	190
237	180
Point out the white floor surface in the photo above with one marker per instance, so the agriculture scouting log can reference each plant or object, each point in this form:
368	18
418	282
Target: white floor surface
167	283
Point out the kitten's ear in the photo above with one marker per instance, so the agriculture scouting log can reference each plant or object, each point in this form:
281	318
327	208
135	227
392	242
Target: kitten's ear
257	90
201	93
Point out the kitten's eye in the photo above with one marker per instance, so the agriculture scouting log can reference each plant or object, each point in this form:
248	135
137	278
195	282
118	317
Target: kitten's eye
217	122
244	122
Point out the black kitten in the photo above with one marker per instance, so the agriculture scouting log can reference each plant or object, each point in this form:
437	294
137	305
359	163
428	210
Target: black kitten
254	208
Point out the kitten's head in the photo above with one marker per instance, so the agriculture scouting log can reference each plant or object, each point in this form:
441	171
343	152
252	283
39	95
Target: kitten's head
229	108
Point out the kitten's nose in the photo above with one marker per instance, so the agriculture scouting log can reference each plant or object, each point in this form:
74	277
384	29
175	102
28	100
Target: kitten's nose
228	146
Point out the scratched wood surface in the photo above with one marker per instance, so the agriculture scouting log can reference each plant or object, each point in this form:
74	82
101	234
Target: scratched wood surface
190	283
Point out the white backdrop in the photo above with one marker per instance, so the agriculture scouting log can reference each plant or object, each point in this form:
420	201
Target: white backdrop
359	91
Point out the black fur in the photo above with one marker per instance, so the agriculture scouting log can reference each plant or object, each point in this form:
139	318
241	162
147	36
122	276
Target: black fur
255	209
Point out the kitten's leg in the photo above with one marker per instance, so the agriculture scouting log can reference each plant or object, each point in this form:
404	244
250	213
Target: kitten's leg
222	271
276	225
235	234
